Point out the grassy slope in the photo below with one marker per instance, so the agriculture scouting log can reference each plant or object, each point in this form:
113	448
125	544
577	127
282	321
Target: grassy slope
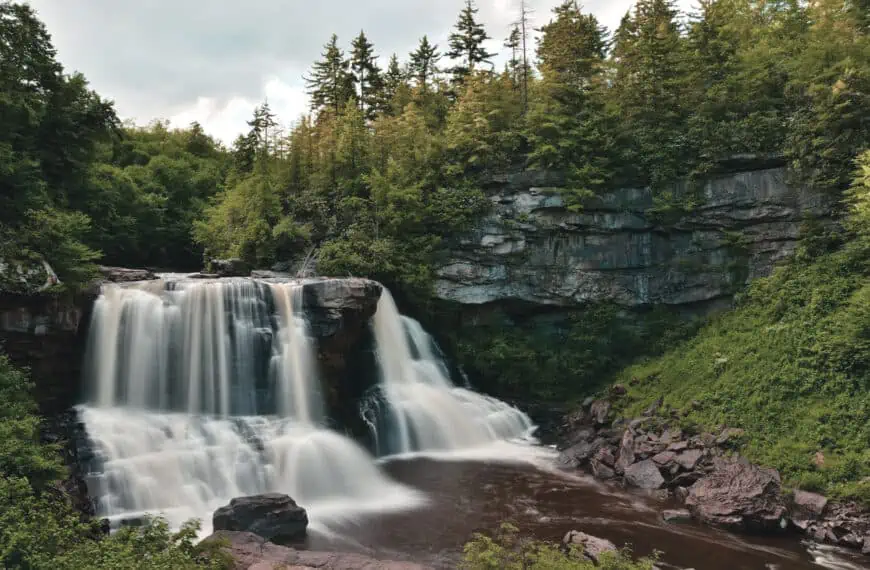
791	365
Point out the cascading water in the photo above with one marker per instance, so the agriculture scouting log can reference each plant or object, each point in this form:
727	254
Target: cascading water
421	409
202	391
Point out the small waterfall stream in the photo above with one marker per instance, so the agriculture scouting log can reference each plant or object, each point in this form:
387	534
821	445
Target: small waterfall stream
424	411
204	390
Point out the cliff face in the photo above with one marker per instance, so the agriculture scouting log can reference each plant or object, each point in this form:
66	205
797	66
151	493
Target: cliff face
531	248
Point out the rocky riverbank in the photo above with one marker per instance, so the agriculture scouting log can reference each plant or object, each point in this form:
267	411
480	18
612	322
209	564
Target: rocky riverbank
704	472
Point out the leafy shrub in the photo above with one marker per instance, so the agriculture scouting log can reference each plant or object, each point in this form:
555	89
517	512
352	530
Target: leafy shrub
508	551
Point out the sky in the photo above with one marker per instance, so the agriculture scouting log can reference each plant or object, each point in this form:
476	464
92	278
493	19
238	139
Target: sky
213	61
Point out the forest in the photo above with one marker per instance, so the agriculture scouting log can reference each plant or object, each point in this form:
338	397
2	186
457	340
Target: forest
393	162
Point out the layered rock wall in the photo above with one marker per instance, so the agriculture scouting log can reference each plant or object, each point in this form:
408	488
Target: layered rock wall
532	248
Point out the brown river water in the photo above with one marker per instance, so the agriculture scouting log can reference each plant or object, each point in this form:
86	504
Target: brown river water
468	495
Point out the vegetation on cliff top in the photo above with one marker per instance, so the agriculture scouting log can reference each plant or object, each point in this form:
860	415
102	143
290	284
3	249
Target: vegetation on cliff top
791	364
390	164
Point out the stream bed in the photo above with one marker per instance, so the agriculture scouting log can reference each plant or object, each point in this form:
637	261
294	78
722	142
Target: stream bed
468	495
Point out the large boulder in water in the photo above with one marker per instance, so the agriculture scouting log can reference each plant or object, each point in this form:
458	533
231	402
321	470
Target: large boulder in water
233	267
125	275
739	496
252	552
273	516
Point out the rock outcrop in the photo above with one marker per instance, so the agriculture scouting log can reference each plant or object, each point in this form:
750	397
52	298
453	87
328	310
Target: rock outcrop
273	516
739	496
532	248
702	471
591	547
252	552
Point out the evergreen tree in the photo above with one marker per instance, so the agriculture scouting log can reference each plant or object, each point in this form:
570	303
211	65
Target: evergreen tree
424	62
331	84
649	89
263	120
367	76
466	44
514	43
572	47
396	91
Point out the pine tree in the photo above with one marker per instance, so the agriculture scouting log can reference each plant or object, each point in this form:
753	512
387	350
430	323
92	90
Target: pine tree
572	47
331	84
466	44
263	120
424	61
513	43
396	89
649	90
367	76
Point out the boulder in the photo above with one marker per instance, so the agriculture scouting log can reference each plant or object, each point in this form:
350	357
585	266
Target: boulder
602	471
689	459
664	457
677	516
866	548
806	508
729	436
626	452
644	475
578	454
739	496
124	275
592	546
252	552
599	411
273	516
233	267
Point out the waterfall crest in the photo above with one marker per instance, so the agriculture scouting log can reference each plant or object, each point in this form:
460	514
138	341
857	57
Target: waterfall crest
201	391
423	410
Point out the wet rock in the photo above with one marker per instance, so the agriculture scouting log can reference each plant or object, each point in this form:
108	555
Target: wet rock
273	516
677	516
739	496
233	267
580	435
578	454
602	471
681	494
606	456
866	548
644	475
125	275
252	552
599	411
592	546
806	508
587	403
689	459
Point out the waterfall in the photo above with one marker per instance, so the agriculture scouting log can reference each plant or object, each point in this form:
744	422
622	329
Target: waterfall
201	391
423	410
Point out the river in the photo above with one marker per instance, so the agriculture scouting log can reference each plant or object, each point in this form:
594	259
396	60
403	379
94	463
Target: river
474	495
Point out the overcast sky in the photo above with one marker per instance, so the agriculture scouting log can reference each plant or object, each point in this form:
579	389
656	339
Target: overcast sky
214	60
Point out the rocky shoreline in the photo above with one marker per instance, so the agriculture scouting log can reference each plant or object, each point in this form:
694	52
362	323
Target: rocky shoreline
704	473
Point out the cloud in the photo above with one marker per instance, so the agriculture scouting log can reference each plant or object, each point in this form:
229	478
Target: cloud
214	60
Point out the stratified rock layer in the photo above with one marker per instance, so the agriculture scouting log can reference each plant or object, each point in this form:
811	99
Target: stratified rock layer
532	248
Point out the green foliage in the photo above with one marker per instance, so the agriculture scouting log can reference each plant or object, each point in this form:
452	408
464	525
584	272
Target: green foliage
790	365
532	358
39	529
508	551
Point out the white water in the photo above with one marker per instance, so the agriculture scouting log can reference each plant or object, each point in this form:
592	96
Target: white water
204	391
426	412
